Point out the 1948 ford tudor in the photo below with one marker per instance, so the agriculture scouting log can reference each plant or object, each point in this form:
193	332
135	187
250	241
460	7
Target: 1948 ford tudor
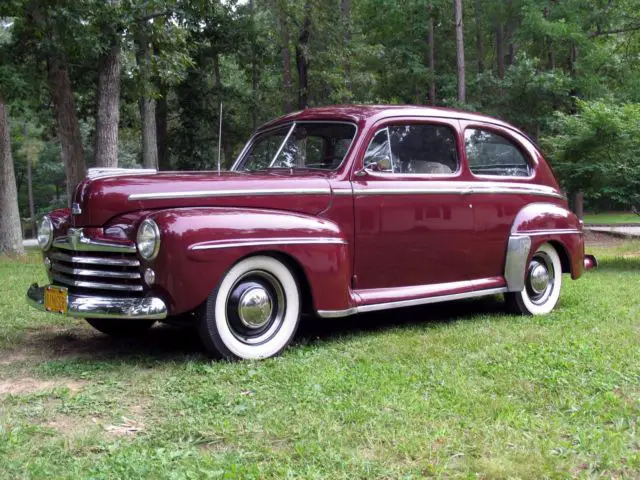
330	211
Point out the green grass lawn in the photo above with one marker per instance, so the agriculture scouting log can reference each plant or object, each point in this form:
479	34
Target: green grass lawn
458	390
611	218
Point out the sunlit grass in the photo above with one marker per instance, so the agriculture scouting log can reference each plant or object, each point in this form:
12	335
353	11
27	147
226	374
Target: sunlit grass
611	218
459	390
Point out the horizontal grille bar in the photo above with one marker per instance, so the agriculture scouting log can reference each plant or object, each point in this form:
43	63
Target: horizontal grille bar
120	262
82	272
64	280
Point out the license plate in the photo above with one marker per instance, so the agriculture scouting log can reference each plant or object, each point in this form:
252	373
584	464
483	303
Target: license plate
55	299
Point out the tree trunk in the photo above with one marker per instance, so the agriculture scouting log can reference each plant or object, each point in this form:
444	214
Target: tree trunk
32	210
479	36
302	61
108	114
286	58
500	50
345	7
67	124
578	204
431	61
162	131
457	4
10	228
511	28
254	68
147	106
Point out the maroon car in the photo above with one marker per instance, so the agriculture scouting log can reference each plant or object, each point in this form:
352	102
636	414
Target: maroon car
330	211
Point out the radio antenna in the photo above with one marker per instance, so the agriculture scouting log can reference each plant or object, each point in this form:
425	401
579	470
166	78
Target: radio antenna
219	138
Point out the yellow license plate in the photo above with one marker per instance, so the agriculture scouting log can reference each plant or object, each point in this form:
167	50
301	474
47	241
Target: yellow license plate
55	299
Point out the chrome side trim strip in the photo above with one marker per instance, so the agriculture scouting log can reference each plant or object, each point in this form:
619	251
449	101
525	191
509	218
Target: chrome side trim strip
469	188
408	303
81	272
229	193
256	242
76	241
515	265
98	285
94	173
567	231
120	262
148	308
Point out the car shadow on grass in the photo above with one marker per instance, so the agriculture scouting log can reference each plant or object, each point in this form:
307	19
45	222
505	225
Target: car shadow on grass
620	264
171	343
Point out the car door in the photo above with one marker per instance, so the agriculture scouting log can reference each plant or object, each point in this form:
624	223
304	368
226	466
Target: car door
502	168
412	219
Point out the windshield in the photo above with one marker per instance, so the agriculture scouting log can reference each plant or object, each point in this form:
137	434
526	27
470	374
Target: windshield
320	145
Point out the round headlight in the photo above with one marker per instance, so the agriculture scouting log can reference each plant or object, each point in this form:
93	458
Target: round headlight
148	239
45	233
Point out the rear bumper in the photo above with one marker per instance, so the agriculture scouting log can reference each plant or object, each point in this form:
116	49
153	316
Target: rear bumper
148	308
590	261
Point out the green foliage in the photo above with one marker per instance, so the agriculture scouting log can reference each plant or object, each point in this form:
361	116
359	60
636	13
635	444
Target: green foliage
596	151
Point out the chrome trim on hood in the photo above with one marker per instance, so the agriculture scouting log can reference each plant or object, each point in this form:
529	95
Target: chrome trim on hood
94	173
262	192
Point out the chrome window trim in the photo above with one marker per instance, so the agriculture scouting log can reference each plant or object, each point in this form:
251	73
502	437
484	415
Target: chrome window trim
61	279
267	241
284	142
280	125
83	272
120	262
76	241
408	303
147	308
262	192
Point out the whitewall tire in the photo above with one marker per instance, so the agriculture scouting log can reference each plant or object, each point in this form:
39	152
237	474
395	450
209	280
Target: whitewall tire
253	313
542	284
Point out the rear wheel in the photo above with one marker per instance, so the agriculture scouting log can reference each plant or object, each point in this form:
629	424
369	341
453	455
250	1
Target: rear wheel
542	284
253	313
121	328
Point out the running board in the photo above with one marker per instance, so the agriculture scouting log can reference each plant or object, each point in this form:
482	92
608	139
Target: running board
409	303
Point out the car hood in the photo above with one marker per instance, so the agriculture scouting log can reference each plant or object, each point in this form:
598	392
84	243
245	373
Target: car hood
102	198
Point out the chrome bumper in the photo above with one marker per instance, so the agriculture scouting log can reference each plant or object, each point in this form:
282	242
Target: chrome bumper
148	308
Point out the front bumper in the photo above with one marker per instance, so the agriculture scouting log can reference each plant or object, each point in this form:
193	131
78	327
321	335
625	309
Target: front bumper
147	308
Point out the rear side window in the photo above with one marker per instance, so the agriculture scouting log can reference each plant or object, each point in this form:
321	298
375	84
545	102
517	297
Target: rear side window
490	153
418	149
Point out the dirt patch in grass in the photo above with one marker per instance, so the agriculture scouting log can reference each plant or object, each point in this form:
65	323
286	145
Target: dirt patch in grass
25	386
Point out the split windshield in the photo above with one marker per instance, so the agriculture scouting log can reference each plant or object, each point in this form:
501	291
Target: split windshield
315	145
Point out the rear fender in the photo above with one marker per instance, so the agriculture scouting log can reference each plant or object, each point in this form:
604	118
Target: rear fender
540	223
199	245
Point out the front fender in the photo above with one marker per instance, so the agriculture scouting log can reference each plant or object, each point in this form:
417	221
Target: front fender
200	244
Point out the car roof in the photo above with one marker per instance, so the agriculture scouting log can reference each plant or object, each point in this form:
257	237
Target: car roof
357	113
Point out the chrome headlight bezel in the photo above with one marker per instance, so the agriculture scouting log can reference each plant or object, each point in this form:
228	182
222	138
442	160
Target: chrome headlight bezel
148	239
44	233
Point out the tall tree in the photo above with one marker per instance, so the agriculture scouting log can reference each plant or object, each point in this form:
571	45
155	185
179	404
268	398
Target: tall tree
302	57
283	29
479	35
108	109
431	56
462	95
10	229
147	102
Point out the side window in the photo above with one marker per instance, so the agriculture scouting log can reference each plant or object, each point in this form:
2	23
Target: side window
378	157
490	153
419	149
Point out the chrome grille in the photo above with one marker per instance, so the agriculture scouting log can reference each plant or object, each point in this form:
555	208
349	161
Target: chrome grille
95	270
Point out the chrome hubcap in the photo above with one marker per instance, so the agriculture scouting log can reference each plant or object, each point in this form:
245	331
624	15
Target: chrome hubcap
255	307
540	277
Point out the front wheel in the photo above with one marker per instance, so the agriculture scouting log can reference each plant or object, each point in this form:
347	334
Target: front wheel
120	328
253	313
542	284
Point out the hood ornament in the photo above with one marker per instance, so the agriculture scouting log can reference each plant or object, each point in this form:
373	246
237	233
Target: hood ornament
75	209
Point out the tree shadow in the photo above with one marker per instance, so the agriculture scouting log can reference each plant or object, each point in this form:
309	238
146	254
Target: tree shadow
172	343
